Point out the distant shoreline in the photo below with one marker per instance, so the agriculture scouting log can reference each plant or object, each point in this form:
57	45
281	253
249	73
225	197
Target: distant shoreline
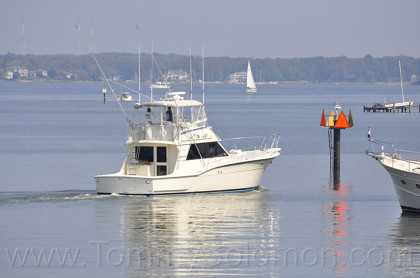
224	83
124	67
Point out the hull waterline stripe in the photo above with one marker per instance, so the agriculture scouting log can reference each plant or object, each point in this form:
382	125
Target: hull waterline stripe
242	190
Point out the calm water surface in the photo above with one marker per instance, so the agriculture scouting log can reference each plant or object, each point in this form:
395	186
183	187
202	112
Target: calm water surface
55	137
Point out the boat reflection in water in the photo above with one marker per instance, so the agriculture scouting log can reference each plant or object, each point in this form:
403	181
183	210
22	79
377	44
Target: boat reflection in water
198	234
404	253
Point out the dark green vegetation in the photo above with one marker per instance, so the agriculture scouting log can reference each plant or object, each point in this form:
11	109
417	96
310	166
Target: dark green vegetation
123	66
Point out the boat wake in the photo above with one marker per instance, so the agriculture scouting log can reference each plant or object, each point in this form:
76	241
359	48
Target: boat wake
51	196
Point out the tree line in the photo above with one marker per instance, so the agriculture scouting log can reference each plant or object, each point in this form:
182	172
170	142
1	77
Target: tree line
124	66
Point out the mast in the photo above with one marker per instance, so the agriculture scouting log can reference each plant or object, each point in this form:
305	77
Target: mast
402	88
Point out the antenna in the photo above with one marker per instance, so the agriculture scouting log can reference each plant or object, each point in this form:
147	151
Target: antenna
79	39
202	57
23	39
91	45
191	74
139	76
402	88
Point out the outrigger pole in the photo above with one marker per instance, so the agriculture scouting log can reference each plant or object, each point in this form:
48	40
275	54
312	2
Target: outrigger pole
104	76
191	75
153	61
151	76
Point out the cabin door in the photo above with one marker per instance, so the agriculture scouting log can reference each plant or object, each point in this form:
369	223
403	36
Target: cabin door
161	161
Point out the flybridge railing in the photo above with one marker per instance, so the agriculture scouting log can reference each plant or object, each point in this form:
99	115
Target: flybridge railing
251	143
164	132
384	147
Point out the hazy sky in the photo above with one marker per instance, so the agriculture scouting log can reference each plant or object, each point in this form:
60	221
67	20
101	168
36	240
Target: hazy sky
236	28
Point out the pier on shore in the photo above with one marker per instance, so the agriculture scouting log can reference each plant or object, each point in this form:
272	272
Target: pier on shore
393	109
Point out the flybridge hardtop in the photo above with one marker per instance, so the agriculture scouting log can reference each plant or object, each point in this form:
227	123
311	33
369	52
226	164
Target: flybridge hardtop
169	103
172	149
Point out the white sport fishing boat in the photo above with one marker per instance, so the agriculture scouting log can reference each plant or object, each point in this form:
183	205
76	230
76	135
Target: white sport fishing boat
180	153
250	83
404	168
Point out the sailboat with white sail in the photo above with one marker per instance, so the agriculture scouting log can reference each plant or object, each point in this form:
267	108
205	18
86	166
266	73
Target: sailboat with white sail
403	103
250	83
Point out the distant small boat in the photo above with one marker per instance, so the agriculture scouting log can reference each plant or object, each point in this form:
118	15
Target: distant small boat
125	97
250	84
160	85
404	168
403	103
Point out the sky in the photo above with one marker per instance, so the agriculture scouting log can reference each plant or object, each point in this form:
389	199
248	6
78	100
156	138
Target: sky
235	28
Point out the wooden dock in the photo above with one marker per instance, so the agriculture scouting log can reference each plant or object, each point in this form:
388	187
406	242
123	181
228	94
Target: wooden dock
381	108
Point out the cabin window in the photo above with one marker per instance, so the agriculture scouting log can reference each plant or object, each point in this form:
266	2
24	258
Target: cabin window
206	150
161	170
403	182
161	154
417	185
144	154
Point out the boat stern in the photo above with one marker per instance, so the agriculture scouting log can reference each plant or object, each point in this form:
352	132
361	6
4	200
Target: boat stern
123	184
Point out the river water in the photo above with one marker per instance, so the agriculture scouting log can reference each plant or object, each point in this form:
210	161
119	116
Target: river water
56	136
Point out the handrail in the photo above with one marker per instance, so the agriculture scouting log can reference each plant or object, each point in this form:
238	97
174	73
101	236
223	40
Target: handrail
395	150
382	143
265	144
407	151
397	156
239	138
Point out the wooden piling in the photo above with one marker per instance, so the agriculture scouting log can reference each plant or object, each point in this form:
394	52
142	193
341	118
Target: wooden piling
336	169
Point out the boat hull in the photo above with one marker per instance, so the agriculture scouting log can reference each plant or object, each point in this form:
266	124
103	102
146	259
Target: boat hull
240	176
407	187
251	90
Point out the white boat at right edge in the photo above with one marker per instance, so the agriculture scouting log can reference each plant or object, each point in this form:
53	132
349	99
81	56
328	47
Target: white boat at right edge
404	169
